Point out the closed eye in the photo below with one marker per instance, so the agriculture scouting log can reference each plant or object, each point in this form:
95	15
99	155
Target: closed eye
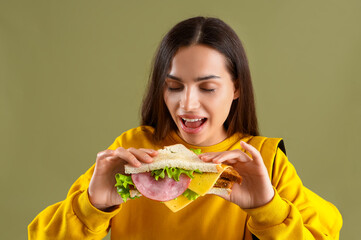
208	89
173	89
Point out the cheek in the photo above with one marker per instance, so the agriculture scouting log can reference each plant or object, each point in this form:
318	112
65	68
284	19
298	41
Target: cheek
220	107
170	101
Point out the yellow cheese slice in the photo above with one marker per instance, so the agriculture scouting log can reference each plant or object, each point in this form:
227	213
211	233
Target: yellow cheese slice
200	184
178	203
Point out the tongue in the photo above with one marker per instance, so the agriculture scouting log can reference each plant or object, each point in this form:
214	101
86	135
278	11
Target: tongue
195	124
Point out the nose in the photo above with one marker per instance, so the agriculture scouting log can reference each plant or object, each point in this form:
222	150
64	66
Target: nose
189	100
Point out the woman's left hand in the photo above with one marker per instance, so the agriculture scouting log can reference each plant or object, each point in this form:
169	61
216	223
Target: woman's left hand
256	189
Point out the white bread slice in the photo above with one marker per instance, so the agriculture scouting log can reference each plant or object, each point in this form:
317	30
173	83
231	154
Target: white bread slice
220	191
175	156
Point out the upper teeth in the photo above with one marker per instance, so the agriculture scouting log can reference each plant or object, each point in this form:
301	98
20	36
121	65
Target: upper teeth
192	120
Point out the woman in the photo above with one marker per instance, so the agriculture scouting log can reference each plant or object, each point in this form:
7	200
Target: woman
200	94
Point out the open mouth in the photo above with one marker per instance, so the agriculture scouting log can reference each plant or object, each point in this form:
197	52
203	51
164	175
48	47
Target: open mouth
192	125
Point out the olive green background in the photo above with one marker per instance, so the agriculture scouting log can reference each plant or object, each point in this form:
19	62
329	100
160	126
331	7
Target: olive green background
72	75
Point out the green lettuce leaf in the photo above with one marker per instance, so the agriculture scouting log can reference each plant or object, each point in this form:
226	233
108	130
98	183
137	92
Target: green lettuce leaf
173	173
122	186
196	151
190	194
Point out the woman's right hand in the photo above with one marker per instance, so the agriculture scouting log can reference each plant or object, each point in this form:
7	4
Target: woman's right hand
102	193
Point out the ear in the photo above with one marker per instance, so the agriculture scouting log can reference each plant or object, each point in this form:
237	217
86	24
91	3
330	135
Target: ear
236	94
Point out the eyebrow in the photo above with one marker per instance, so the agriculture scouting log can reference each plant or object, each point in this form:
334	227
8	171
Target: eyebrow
197	79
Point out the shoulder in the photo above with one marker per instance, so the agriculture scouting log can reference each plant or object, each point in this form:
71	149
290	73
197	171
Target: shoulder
269	148
138	132
266	144
139	137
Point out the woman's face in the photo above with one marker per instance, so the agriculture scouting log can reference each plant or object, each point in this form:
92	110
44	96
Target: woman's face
198	93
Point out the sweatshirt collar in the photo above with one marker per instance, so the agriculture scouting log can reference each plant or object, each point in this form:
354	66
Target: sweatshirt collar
219	147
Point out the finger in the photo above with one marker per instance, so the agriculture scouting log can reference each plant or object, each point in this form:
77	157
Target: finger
111	158
141	155
232	157
127	156
150	152
106	162
105	153
227	161
208	157
256	155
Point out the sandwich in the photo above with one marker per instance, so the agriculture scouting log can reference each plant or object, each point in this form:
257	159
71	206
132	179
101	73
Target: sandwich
176	177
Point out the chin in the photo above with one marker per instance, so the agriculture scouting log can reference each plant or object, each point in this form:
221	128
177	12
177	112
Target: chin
195	140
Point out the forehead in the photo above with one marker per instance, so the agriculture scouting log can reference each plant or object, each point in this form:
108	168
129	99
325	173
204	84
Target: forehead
198	59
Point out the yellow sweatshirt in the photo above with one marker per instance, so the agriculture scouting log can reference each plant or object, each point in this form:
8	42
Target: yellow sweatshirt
294	213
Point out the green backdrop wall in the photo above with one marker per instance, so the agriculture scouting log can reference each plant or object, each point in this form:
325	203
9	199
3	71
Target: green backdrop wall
72	75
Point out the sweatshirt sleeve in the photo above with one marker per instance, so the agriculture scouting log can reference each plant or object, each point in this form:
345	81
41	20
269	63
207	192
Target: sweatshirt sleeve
295	212
75	217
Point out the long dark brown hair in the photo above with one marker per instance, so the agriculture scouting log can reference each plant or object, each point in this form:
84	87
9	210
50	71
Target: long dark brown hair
218	35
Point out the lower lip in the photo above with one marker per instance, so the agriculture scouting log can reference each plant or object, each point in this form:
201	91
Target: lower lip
192	130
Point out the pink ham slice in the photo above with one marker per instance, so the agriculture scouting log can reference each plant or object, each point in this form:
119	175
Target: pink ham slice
162	190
